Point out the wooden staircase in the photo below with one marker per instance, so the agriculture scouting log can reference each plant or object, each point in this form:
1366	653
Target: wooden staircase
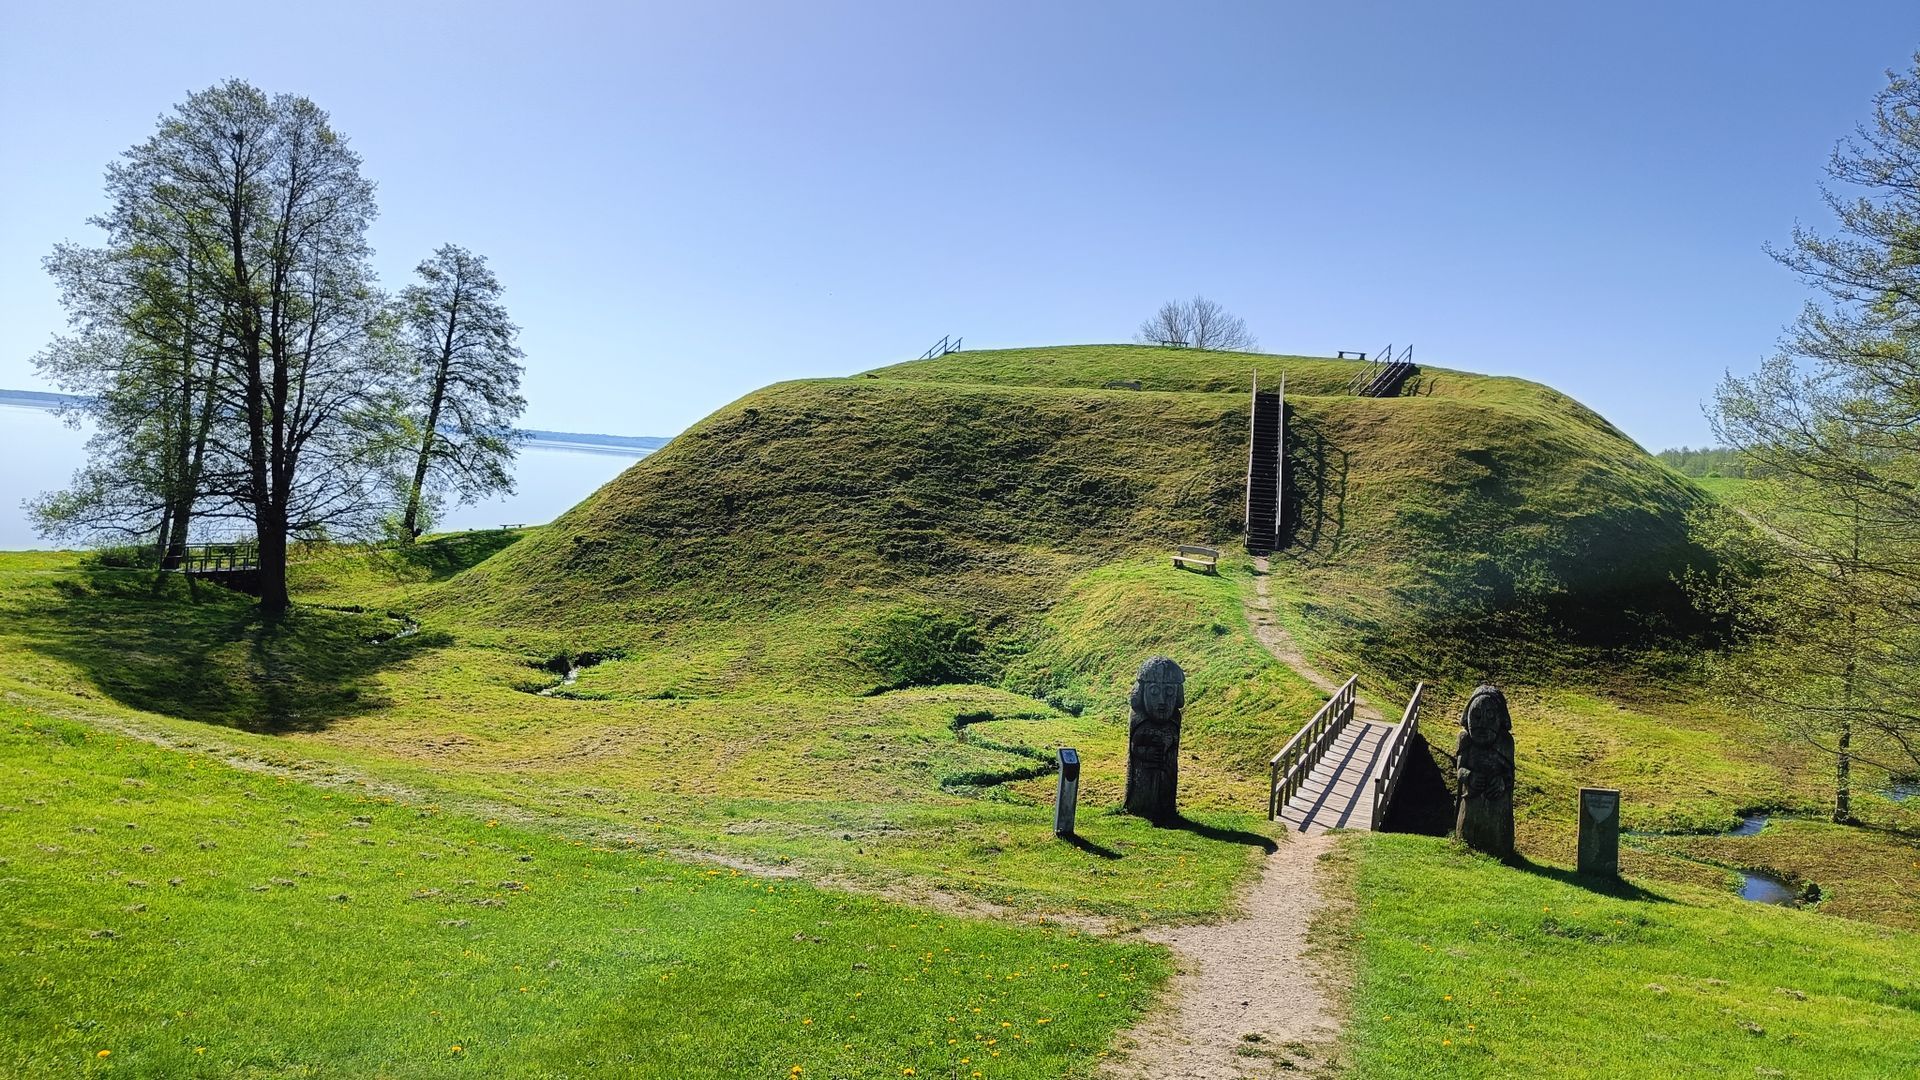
1384	374
1266	452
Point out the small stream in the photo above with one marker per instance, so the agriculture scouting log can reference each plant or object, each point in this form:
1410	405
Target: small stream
569	667
1761	886
1902	790
571	676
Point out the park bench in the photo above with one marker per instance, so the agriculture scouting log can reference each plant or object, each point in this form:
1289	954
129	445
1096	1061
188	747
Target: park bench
1193	557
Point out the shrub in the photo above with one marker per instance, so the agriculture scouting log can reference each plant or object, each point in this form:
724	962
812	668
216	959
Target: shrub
921	648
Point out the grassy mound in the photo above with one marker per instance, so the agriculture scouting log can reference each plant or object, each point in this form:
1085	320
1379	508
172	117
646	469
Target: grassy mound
976	486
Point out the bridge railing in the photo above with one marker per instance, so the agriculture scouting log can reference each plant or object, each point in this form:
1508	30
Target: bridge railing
218	558
1387	780
1290	767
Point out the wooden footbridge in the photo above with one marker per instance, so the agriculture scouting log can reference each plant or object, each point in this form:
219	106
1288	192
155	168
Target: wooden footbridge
1341	771
235	565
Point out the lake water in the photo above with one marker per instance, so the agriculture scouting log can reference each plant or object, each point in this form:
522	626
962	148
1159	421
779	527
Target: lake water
38	453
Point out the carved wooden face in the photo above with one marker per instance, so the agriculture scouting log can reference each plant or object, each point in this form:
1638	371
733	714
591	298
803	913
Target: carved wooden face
1161	699
1161	691
1486	716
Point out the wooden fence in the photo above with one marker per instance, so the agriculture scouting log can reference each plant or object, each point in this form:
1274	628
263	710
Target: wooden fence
1295	761
1387	780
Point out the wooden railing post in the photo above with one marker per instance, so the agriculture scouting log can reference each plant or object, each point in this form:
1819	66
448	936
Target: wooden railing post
1387	781
1288	770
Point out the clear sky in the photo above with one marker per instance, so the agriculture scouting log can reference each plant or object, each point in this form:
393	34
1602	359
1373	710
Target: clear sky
687	201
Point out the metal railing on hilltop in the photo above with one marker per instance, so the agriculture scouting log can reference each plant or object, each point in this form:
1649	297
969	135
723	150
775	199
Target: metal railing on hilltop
947	344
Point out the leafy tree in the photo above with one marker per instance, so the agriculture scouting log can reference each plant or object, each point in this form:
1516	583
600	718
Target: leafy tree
1705	461
143	352
241	361
1832	424
463	385
1197	324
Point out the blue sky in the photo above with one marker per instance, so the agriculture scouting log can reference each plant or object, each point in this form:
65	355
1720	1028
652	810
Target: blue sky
689	201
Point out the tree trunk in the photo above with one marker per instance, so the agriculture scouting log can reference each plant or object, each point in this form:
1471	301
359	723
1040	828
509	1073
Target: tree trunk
164	536
272	575
1843	776
410	525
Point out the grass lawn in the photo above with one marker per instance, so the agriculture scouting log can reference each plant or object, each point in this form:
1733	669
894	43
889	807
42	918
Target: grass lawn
941	787
839	628
1469	968
170	915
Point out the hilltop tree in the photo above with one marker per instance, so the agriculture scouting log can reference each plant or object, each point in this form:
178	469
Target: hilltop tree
463	386
1833	424
1196	324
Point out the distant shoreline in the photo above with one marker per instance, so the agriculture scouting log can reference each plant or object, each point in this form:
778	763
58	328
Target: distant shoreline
575	441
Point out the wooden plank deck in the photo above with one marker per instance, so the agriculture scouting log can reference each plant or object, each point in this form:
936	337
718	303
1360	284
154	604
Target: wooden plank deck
1338	794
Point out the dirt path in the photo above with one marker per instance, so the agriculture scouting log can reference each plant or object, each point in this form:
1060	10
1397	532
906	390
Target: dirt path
1246	1000
1268	631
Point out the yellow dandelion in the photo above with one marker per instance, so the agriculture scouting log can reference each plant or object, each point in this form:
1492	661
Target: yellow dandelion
104	1053
1446	1042
1449	997
454	1049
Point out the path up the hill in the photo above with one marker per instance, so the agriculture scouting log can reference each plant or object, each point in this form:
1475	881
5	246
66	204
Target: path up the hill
1339	792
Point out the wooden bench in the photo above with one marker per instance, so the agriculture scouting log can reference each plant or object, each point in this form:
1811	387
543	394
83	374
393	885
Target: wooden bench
1193	557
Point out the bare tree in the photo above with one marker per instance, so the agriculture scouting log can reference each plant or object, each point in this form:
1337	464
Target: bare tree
464	386
1199	323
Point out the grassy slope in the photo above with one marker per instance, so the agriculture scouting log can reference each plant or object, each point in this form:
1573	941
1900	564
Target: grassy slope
1474	969
187	918
736	573
880	787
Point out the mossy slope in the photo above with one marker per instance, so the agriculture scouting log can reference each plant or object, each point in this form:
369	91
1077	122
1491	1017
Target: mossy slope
982	483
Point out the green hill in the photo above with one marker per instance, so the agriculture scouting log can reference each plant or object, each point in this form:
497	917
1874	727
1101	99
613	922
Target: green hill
977	485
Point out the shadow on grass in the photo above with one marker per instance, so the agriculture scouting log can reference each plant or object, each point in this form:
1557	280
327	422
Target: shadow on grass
1215	832
1617	888
441	557
201	652
1090	847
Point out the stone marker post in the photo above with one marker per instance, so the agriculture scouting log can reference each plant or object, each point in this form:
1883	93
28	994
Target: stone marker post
1599	832
1153	740
1068	797
1484	820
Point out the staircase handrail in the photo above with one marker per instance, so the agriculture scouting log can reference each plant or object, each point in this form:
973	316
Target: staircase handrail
1387	781
1396	370
1289	769
1366	374
947	344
